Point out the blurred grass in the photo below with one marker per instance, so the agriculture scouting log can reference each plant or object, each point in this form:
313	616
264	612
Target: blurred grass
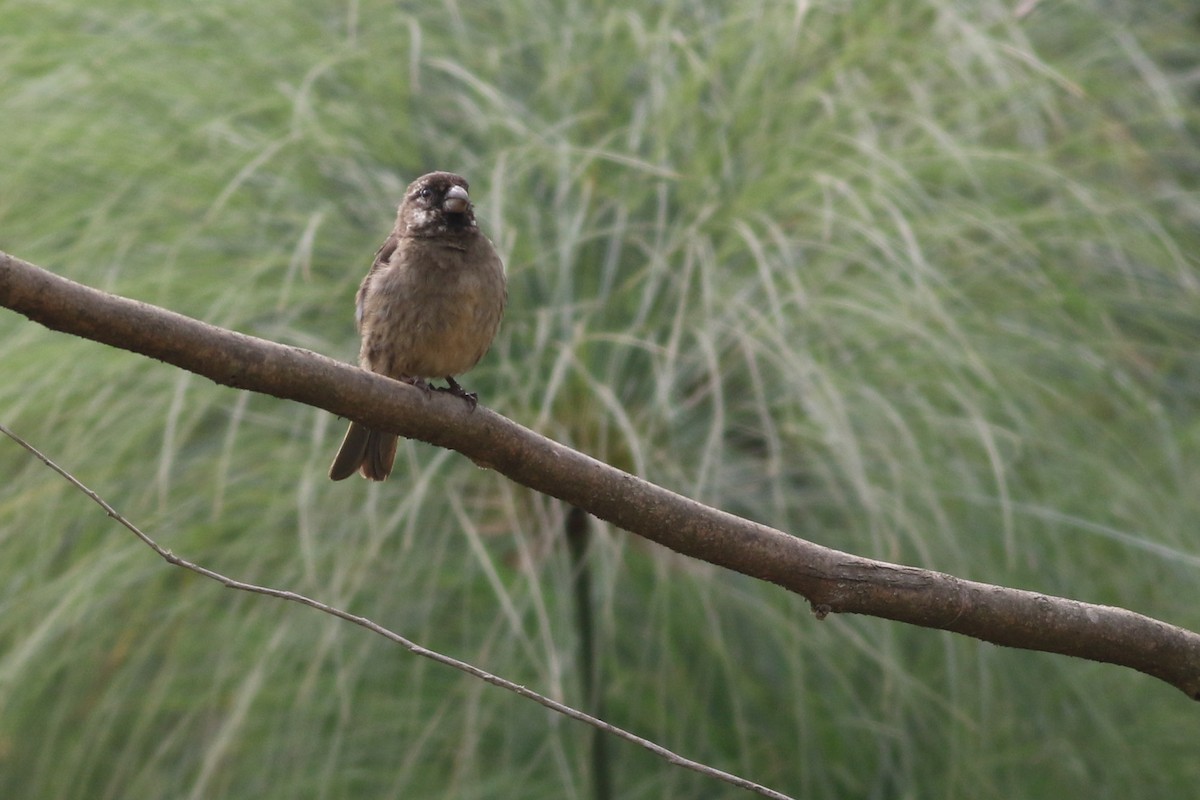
914	280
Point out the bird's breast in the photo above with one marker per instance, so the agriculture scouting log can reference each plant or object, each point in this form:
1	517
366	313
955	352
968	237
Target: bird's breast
432	316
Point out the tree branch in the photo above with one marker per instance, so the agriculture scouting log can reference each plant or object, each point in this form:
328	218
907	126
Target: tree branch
832	581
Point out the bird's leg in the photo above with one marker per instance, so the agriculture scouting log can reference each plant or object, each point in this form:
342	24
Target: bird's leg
458	391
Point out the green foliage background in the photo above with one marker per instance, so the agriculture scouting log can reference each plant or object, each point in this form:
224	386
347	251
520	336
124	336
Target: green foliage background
917	280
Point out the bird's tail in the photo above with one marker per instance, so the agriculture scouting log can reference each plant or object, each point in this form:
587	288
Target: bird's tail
370	452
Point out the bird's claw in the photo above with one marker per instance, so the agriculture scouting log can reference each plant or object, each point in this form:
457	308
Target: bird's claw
471	397
420	383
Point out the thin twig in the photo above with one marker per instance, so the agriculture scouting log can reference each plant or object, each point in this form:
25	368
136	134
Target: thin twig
414	648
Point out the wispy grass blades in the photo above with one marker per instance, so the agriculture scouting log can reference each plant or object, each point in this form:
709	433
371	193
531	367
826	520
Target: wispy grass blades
889	275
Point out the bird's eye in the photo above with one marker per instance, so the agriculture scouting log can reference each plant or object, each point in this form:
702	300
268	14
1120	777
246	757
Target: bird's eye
425	193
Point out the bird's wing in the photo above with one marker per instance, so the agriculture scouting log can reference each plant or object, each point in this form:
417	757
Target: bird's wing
382	256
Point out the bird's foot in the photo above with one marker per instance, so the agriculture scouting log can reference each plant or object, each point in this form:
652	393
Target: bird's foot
420	383
458	391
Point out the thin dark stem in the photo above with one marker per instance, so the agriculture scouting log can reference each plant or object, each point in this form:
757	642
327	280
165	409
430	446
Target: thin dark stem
579	539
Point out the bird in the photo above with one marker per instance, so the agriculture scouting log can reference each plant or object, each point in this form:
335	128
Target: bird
429	307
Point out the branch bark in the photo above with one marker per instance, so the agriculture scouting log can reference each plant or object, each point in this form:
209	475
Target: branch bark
832	581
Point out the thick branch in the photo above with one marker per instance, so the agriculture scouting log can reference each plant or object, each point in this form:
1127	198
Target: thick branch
831	580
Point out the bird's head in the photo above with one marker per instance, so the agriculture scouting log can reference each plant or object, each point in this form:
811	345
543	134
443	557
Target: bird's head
436	204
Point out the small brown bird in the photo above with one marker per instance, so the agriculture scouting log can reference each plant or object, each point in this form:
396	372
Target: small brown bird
428	308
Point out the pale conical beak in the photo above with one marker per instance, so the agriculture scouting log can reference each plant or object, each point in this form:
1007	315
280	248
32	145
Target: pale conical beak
457	201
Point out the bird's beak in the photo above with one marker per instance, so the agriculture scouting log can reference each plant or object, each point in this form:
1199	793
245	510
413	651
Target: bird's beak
457	201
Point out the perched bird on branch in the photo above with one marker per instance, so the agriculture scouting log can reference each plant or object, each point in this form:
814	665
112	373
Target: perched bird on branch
428	308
